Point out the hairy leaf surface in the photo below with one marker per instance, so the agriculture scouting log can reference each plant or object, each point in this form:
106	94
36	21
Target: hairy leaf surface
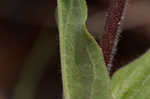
84	73
133	81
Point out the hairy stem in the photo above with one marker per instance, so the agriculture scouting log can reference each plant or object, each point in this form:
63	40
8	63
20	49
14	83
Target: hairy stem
112	30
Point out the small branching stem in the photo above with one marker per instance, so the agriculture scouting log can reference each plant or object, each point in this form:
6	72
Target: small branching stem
112	30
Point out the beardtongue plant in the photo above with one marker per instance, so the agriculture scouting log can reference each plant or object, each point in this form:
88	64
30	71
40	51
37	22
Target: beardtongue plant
85	65
84	72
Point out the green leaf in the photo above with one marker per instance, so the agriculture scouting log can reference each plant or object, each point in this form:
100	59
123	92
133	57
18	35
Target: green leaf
133	81
42	53
83	70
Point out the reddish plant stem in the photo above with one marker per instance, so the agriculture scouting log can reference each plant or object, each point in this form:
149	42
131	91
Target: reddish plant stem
112	30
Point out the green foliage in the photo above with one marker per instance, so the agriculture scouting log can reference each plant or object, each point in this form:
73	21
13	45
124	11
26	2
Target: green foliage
34	66
83	70
84	73
133	81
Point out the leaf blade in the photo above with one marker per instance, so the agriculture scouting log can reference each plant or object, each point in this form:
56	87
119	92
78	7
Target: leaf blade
132	81
83	70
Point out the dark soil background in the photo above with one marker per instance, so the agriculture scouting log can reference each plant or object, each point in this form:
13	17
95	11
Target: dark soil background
22	20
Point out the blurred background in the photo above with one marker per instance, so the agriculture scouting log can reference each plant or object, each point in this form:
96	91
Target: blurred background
22	22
